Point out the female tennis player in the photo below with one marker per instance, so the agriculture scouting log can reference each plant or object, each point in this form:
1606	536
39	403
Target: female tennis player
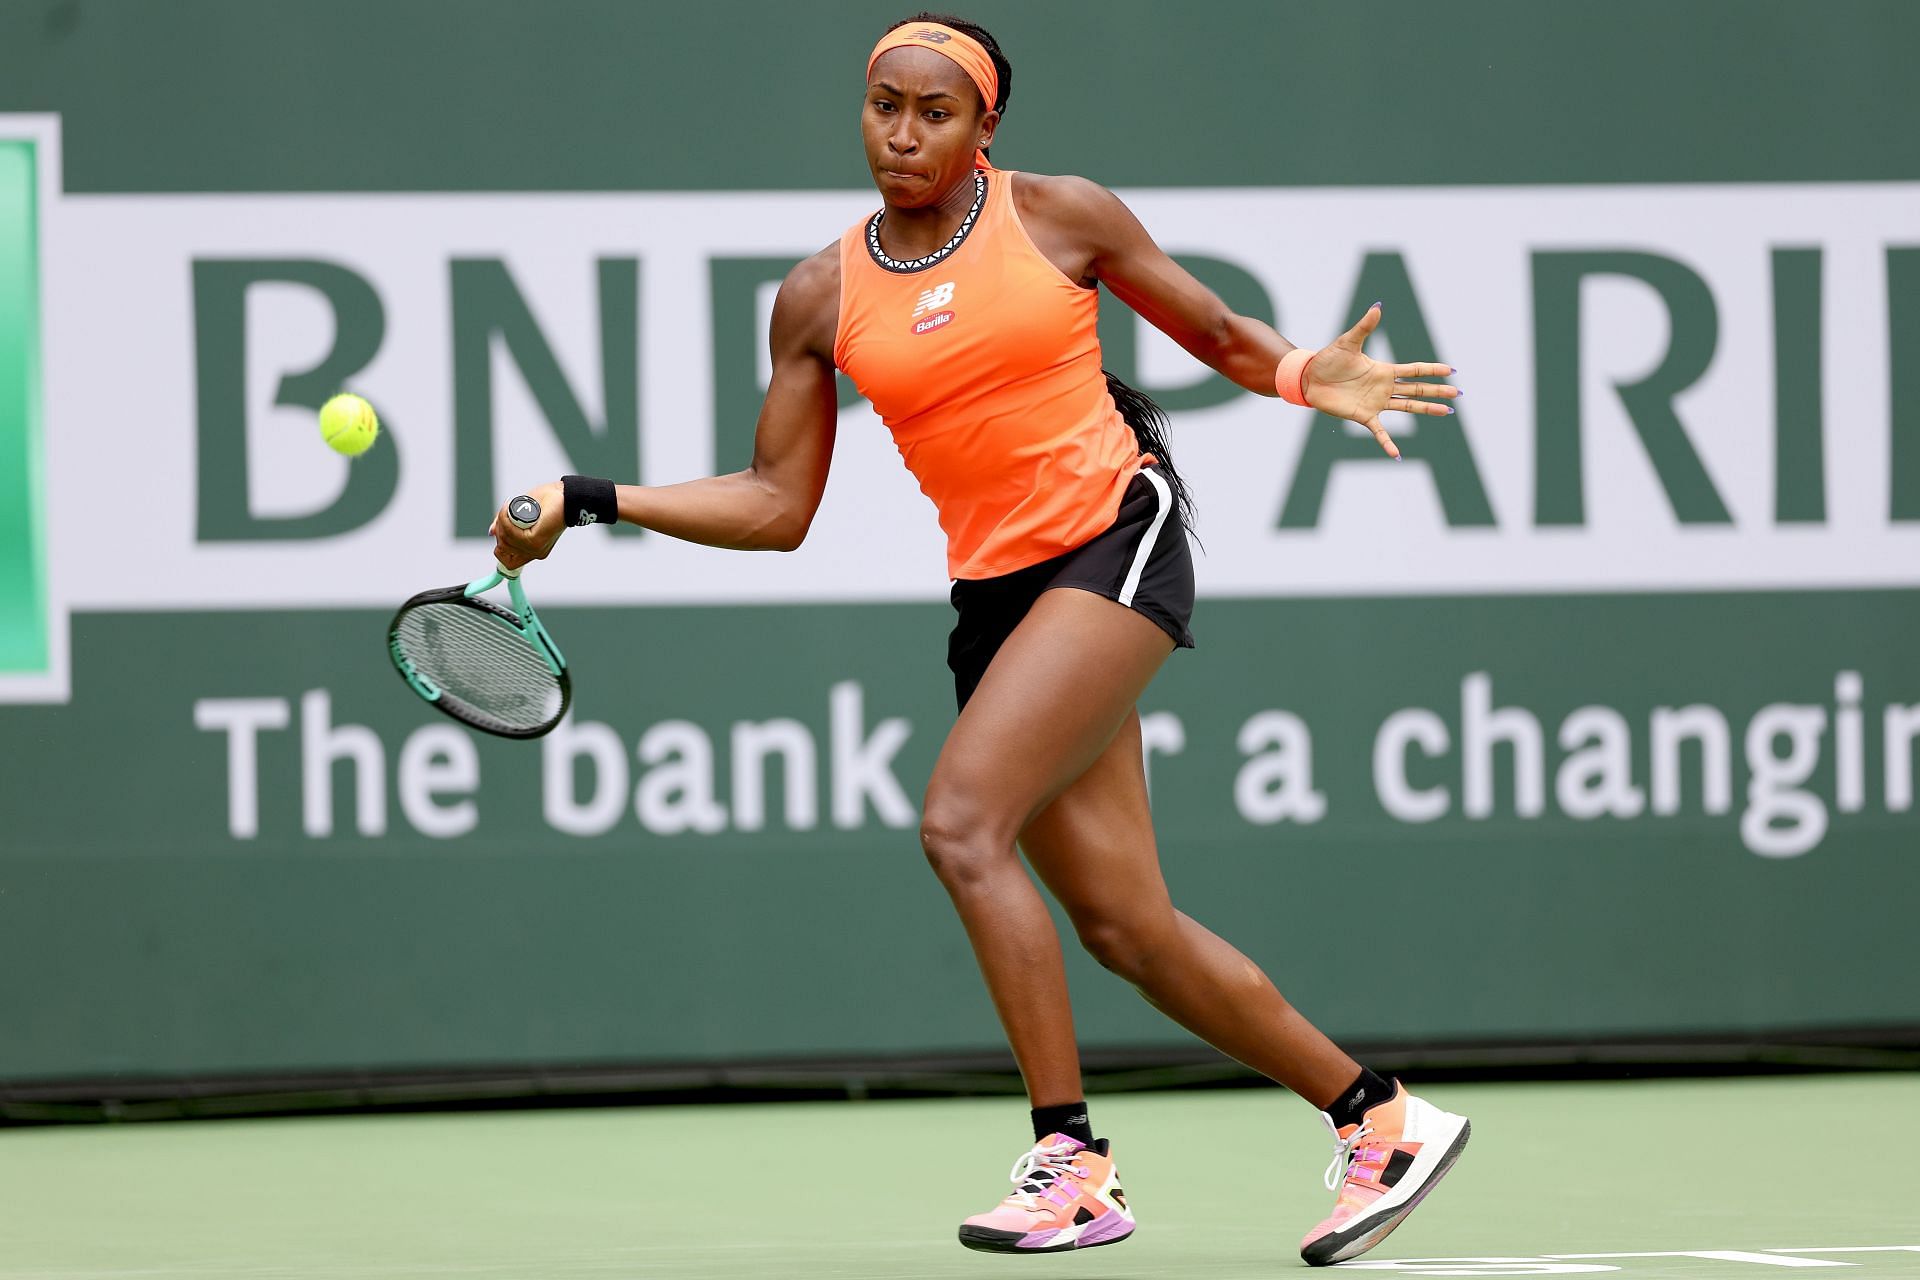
964	309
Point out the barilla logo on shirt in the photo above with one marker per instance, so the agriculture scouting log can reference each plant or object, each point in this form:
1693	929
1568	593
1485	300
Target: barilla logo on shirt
937	320
932	300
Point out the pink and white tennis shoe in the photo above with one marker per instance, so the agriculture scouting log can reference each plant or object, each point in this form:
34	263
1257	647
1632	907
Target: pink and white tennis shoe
1383	1167
1066	1195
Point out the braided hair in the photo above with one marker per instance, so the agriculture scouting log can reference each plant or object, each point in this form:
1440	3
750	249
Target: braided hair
1136	407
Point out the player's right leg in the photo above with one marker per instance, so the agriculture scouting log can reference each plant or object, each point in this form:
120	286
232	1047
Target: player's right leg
1049	704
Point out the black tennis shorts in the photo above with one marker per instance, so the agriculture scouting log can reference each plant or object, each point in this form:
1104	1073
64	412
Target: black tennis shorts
1142	561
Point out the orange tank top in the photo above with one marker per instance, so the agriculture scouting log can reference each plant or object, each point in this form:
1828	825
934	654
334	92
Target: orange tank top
984	362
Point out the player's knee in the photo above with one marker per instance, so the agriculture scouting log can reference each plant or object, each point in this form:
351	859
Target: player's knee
1123	944
960	842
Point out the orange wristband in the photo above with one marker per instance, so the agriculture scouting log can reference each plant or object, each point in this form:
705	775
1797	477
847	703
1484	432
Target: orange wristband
1290	378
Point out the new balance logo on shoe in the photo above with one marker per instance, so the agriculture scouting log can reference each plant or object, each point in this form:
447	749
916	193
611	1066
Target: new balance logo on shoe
1066	1196
1382	1168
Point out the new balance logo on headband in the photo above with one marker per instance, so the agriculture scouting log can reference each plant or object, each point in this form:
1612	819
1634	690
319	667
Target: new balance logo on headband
937	37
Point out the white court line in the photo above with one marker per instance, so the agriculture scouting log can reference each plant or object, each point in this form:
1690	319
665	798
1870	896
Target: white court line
1717	1255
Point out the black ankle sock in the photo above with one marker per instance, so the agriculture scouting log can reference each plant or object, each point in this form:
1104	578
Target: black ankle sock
1070	1119
1368	1090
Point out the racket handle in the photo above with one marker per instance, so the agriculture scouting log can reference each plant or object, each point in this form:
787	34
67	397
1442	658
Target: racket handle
524	511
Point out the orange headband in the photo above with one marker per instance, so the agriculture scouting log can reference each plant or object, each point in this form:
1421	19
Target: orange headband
962	49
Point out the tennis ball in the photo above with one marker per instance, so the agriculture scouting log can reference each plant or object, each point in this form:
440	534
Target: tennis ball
348	424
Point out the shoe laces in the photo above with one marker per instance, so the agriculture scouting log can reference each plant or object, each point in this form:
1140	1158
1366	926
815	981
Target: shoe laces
1037	1172
1343	1149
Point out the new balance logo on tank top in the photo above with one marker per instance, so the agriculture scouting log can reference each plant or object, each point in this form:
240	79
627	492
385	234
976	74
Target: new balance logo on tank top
984	362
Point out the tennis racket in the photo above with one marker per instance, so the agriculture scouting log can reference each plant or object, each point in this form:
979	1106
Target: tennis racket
493	668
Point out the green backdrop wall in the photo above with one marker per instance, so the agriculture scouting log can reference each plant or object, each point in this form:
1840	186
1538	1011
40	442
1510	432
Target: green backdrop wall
367	95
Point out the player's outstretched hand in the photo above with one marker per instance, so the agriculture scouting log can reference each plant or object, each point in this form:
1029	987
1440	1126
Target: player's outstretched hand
1344	381
514	546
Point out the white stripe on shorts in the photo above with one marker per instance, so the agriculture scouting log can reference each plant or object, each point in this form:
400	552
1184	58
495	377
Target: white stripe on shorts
1148	539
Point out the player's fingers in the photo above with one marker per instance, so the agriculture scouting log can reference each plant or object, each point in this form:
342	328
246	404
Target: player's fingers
509	538
511	545
1424	370
1381	437
1404	405
1356	337
1427	390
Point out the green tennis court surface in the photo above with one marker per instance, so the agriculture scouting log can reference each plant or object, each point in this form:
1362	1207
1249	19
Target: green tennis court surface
1224	1182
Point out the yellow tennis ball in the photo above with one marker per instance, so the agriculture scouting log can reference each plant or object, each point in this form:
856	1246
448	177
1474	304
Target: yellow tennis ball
348	424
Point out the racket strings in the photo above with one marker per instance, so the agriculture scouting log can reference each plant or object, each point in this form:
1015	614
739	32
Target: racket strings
486	672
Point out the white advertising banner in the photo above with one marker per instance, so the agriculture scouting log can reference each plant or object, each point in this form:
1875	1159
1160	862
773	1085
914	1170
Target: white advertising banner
1623	502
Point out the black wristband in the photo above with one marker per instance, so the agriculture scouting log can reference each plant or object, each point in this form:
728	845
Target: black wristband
588	500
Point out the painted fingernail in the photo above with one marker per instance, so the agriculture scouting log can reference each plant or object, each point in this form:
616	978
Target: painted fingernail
1374	305
1449	408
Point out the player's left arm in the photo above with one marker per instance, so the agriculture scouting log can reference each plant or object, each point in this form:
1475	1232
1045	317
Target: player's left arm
1117	251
